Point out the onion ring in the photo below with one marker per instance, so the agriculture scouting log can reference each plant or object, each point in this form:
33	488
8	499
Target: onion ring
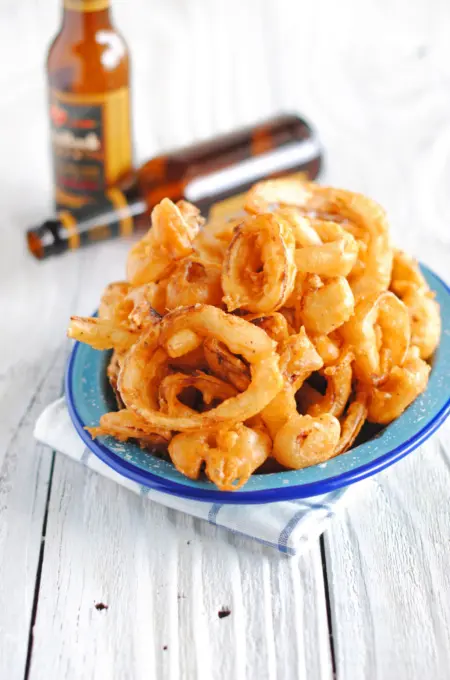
304	441
391	316
336	256
231	454
327	346
101	333
258	272
126	424
402	386
225	365
123	305
213	240
325	308
339	387
112	372
183	342
298	360
375	276
424	316
111	301
194	282
302	229
173	229
210	387
275	325
410	286
240	336
352	422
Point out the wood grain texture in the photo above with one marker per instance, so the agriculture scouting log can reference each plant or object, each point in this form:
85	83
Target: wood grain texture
374	78
388	561
164	577
24	474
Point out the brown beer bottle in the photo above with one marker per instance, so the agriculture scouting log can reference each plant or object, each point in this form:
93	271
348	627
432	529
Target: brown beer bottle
212	174
88	77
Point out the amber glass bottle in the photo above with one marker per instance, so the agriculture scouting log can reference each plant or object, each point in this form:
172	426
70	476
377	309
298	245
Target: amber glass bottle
211	174
88	77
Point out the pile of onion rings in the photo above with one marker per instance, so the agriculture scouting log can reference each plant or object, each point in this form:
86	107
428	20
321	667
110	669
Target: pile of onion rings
276	333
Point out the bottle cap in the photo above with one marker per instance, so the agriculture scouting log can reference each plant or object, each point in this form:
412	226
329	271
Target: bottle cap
50	238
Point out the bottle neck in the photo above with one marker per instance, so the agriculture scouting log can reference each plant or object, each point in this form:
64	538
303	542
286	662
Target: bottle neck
83	16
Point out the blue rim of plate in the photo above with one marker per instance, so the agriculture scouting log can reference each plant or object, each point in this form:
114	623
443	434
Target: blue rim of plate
207	492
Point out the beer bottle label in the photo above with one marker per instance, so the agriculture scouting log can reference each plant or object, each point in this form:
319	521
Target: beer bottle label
91	142
86	5
80	227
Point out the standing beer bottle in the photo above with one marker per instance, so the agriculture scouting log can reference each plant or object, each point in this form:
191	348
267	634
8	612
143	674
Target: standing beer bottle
88	76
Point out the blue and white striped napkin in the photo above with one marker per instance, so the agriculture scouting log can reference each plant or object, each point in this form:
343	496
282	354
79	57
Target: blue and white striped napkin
288	526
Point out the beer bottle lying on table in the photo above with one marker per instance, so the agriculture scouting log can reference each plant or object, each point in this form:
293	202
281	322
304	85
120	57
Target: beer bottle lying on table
212	174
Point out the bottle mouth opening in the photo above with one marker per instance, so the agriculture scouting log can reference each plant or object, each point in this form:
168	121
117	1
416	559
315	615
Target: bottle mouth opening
35	245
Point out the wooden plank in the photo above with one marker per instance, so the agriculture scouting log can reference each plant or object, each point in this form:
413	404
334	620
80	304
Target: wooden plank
388	564
36	300
165	577
24	477
34	306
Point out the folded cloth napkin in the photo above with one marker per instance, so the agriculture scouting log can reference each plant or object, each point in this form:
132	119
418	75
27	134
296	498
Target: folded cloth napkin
288	526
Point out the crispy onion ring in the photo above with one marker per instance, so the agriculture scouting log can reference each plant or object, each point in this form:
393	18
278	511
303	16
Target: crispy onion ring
258	272
302	229
101	333
138	303
411	287
210	387
264	195
182	343
356	208
298	360
231	454
226	365
336	256
128	306
148	262
424	317
402	386
240	337
352	422
192	361
387	313
275	326
280	410
111	301
325	306
327	346
306	397
213	240
112	372
174	228
194	282
406	268
304	441
339	387
126	424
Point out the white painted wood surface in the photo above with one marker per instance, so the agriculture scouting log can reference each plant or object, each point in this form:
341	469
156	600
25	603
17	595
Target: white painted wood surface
374	78
388	563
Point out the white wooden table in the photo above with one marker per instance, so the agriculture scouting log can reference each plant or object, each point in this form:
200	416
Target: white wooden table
372	599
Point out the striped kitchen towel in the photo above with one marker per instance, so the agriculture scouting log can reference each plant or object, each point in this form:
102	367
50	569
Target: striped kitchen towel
288	526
